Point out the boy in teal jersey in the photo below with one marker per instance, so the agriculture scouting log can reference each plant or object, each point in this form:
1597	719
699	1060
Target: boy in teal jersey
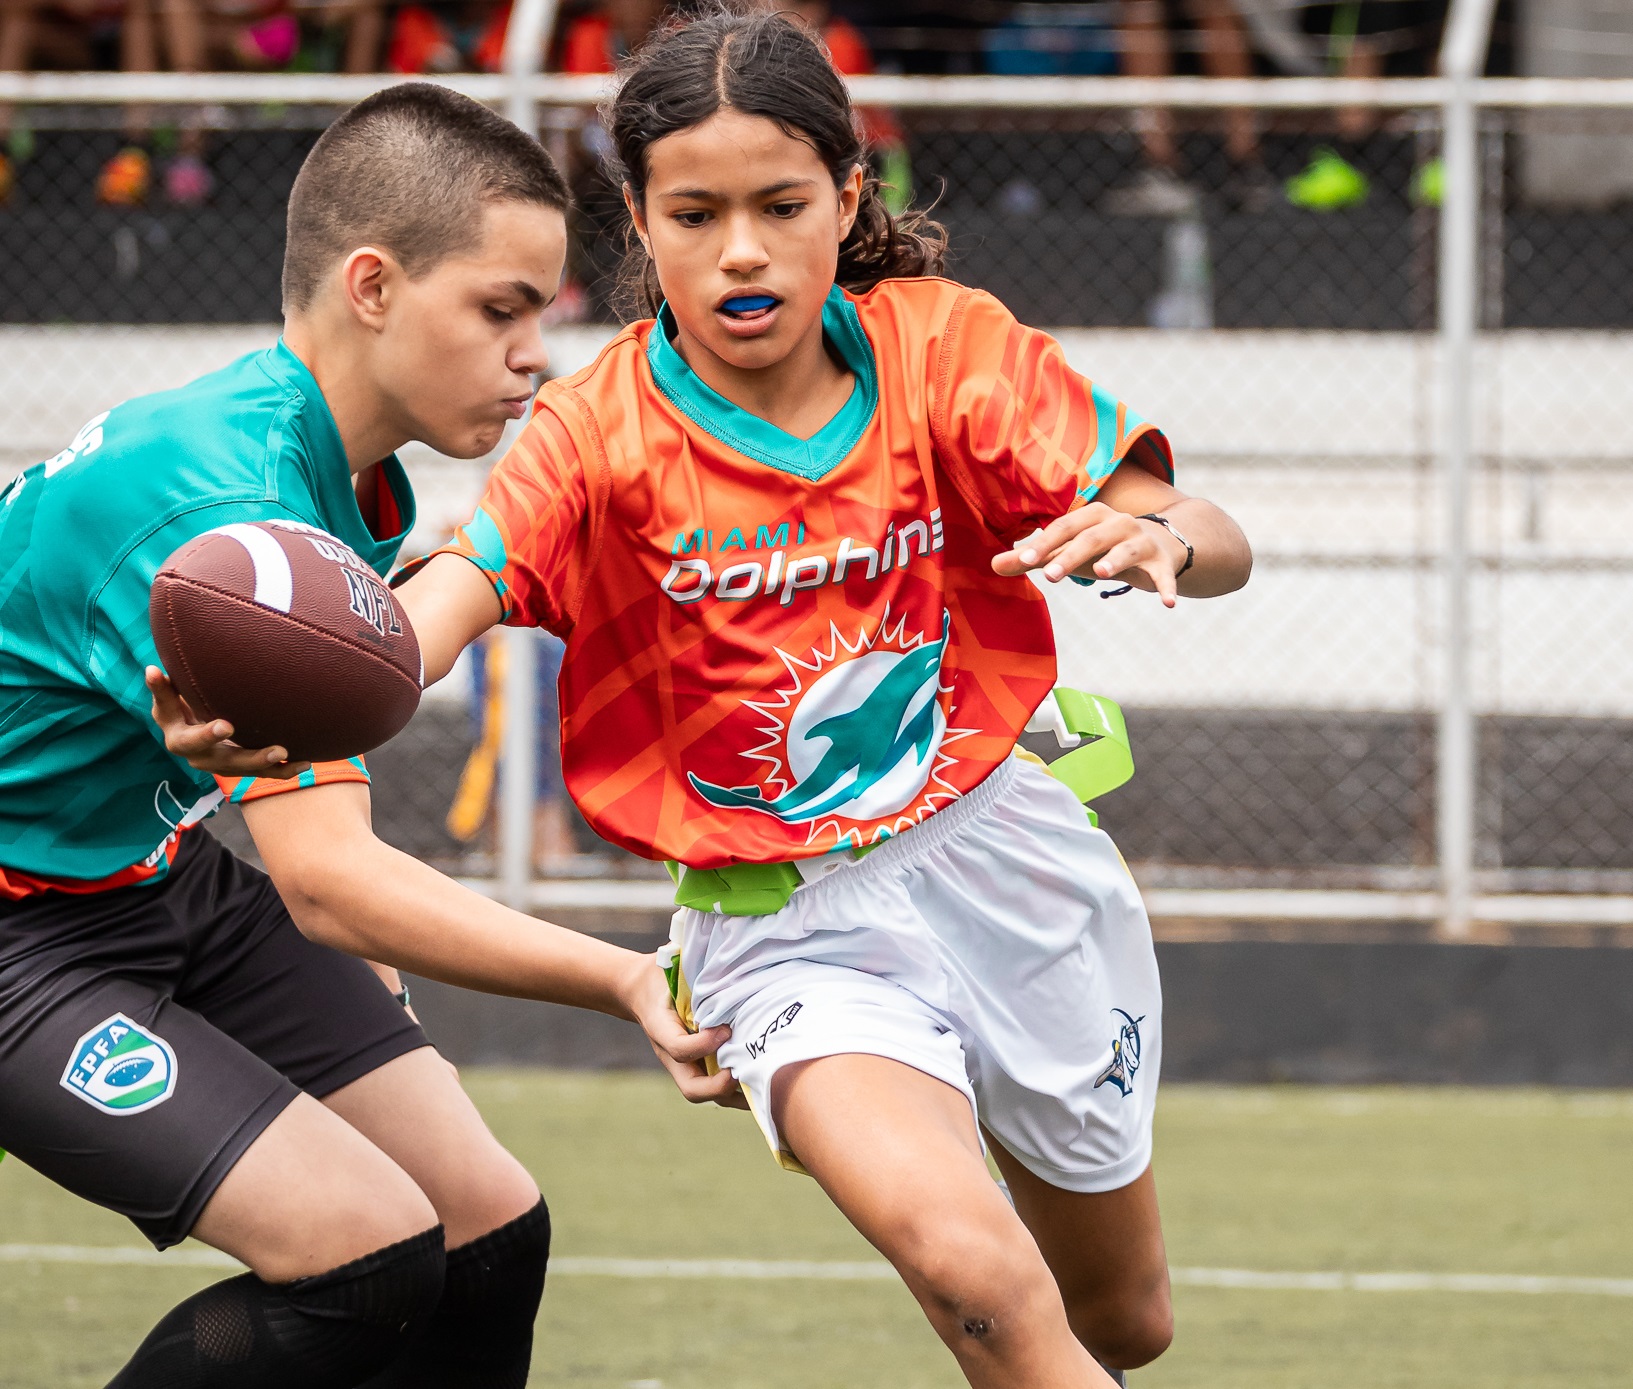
172	1045
83	535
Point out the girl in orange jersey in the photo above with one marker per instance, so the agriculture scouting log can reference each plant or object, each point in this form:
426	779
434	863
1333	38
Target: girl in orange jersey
784	526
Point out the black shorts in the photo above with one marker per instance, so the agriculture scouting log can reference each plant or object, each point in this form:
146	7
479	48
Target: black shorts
148	1035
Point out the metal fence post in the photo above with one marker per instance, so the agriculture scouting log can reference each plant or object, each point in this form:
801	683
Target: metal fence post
518	765
531	24
1468	29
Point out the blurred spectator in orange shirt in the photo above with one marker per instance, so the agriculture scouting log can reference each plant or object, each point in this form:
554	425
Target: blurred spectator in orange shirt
471	35
448	38
598	41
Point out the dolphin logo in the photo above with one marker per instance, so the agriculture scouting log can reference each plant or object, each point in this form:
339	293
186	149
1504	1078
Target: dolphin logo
167	807
883	737
178	816
1125	1055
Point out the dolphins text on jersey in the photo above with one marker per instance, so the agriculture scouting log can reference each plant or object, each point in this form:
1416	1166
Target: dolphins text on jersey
691	579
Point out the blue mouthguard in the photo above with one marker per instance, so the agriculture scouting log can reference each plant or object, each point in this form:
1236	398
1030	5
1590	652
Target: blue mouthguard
747	303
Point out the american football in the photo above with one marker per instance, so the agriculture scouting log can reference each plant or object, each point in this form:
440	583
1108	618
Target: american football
286	633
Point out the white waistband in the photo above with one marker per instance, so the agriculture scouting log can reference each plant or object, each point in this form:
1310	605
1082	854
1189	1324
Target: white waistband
911	846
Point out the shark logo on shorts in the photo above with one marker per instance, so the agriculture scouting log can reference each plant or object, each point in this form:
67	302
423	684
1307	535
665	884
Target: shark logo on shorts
121	1068
1125	1055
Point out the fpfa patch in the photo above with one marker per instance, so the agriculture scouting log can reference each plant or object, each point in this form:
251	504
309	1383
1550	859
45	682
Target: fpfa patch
121	1068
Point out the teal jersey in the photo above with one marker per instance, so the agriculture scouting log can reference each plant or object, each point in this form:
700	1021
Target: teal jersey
87	789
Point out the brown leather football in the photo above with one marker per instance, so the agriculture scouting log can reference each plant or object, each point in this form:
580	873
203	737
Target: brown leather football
286	633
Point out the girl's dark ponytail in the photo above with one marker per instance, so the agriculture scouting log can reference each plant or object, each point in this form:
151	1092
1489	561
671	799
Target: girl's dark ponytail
762	64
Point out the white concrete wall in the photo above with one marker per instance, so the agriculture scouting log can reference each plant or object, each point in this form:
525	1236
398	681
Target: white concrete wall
1288	395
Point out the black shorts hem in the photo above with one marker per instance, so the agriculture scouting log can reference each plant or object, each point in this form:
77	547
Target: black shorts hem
409	1037
175	1228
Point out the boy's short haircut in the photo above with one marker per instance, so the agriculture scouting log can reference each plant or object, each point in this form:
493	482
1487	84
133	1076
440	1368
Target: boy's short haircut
408	170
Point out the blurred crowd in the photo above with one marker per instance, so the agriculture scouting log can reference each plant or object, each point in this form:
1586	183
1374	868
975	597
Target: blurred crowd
1221	38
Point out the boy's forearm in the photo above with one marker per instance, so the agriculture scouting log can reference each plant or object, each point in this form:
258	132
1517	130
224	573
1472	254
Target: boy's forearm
347	890
388	975
371	900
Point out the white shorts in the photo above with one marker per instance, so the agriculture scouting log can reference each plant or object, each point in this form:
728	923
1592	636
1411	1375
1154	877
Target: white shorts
1001	947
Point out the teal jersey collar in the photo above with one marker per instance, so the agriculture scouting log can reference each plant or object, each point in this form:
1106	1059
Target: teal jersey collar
331	475
813	458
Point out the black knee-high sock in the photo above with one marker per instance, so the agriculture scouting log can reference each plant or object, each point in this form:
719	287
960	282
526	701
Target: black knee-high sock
324	1332
481	1334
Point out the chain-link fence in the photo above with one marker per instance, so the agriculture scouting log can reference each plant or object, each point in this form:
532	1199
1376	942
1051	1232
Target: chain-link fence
1279	313
1554	436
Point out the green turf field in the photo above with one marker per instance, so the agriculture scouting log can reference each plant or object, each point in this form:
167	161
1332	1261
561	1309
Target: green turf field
1284	1180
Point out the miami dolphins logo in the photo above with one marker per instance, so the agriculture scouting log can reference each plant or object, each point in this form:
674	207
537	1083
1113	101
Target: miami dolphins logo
863	741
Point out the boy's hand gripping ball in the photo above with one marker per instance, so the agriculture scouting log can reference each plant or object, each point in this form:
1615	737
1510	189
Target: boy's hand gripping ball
283	631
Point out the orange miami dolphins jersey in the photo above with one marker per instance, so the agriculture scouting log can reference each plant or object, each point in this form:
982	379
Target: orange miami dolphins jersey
777	647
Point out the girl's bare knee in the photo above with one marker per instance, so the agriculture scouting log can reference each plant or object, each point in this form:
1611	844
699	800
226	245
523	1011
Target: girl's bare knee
1125	1334
977	1285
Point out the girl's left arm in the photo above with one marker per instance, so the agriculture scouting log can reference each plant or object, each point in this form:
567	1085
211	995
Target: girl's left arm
1109	539
450	603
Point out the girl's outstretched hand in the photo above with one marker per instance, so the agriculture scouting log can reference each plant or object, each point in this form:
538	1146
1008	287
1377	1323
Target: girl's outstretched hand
208	746
1098	542
646	996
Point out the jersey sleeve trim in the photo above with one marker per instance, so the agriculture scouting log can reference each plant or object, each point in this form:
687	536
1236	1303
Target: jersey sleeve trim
479	542
242	789
1121	435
